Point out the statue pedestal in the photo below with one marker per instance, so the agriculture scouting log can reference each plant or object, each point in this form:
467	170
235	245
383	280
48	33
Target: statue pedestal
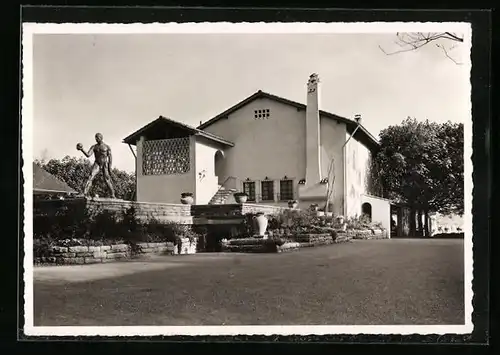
106	199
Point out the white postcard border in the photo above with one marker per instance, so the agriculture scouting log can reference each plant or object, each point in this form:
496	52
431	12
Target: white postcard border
30	29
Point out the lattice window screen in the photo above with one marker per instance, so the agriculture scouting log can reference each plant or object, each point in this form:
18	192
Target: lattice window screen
166	156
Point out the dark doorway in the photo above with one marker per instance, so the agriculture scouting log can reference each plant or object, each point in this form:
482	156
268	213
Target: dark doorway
217	232
366	210
219	165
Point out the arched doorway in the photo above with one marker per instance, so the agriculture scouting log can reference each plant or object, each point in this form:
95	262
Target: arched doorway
219	166
366	210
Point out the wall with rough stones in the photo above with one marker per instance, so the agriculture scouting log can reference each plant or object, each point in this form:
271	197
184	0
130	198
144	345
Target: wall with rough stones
234	210
76	255
261	245
161	211
367	234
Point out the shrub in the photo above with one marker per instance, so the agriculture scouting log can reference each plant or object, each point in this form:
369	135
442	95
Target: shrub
42	247
247	226
291	222
79	226
362	222
105	225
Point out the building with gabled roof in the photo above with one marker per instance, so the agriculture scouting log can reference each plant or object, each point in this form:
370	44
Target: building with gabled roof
46	184
269	147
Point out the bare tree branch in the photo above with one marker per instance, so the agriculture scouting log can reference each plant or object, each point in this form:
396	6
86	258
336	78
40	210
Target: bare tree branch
446	53
412	41
455	37
396	52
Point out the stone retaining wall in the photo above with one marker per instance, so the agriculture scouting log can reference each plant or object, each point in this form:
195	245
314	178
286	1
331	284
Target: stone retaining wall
161	211
107	253
233	210
266	209
315	239
367	234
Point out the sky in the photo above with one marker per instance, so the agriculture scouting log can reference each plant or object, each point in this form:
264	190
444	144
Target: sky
117	83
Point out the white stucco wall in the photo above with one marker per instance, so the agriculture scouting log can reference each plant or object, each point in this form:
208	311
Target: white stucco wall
356	175
332	138
273	147
381	210
164	188
206	180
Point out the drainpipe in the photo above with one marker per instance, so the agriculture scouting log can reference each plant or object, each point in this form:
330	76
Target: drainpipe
135	158
357	118
133	153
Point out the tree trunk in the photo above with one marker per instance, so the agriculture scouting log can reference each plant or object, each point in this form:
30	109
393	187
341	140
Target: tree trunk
420	225
426	225
413	232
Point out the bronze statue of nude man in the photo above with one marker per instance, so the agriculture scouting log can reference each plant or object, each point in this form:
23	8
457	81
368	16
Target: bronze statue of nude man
103	160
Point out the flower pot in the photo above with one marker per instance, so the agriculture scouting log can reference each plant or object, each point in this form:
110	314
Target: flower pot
187	198
240	198
261	222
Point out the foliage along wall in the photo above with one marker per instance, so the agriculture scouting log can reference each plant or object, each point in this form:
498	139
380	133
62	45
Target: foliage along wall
75	172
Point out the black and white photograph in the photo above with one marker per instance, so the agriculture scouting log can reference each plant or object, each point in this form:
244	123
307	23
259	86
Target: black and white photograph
247	178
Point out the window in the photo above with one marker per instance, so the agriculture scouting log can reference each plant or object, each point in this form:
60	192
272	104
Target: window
249	189
286	190
262	114
166	156
267	190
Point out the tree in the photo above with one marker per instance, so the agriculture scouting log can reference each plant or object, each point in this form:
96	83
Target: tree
75	171
421	164
446	41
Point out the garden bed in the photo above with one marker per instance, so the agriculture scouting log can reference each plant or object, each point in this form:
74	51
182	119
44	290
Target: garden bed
87	236
279	245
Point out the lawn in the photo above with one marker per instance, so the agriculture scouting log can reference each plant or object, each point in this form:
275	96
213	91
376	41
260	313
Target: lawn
370	282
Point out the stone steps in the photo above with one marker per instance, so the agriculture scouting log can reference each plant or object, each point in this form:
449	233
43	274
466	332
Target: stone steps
221	196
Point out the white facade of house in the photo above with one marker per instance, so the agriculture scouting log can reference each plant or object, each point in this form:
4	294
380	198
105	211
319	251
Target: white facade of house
278	152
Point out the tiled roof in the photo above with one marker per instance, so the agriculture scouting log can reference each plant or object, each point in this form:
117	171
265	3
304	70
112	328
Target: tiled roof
134	137
44	182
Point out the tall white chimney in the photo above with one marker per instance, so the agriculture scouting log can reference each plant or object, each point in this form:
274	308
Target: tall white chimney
313	158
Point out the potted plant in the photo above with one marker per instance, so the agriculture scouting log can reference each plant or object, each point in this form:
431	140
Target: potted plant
261	220
187	198
240	197
293	204
314	207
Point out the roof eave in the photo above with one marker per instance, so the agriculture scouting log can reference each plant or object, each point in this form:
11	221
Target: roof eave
298	105
36	189
231	109
130	138
215	139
